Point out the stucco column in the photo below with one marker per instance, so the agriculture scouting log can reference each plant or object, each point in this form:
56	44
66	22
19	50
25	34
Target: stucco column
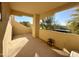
36	25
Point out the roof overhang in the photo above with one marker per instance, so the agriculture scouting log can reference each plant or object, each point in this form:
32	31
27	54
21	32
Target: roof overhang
42	8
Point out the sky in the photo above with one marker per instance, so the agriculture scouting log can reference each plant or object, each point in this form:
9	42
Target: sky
60	17
64	16
23	18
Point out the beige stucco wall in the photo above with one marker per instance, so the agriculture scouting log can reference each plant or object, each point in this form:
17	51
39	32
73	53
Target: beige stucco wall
9	47
3	23
19	29
12	47
62	40
7	39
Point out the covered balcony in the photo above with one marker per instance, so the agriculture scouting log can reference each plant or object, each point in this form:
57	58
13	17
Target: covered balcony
18	40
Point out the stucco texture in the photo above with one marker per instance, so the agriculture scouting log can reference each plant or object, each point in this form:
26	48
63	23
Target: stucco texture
62	40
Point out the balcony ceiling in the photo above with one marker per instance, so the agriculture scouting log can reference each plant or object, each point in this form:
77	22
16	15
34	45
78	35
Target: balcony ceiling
40	7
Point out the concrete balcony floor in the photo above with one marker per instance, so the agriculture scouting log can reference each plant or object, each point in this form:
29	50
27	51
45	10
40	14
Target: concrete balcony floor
35	47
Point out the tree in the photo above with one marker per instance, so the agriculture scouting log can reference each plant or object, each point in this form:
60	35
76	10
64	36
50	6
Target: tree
47	23
27	24
73	24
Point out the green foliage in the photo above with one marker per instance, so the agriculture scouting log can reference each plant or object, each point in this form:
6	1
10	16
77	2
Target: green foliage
27	24
47	23
73	25
57	26
50	24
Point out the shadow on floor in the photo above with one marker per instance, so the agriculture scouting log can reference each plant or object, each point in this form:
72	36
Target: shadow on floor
35	47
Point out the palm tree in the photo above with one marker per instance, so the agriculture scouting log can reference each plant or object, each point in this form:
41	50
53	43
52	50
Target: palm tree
47	23
73	24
